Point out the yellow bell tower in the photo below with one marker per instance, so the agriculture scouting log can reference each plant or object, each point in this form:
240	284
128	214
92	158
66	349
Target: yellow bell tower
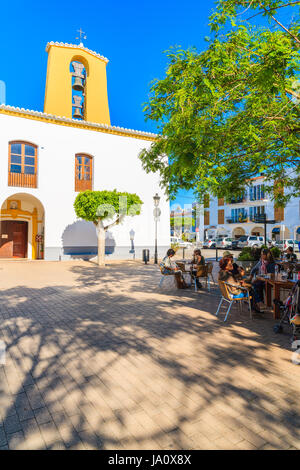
58	95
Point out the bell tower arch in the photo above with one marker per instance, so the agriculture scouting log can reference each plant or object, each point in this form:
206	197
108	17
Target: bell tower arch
59	91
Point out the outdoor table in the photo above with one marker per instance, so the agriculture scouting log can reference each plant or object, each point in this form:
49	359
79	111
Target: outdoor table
183	264
277	285
187	267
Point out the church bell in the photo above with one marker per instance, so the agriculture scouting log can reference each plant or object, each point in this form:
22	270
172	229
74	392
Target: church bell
78	84
77	114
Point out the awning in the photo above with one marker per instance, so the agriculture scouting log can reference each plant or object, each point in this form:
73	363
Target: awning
276	230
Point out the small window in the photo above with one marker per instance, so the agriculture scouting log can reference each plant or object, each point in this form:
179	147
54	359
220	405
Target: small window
83	172
22	164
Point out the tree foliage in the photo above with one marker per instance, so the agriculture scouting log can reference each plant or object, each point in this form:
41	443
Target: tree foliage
105	205
231	112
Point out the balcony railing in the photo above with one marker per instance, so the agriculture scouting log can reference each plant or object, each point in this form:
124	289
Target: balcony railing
22	180
238	200
241	220
82	185
237	220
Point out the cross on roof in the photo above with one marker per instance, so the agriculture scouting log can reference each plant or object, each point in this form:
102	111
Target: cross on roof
82	35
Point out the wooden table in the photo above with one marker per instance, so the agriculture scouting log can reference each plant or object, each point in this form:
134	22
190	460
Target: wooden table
277	285
182	265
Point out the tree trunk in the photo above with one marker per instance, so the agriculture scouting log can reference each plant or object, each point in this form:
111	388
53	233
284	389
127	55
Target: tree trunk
101	243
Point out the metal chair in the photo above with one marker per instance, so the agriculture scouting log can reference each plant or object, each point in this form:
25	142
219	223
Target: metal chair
230	298
210	268
202	272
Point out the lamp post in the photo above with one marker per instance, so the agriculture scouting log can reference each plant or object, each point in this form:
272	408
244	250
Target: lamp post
262	218
132	250
156	214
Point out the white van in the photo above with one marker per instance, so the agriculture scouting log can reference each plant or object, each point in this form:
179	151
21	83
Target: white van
252	240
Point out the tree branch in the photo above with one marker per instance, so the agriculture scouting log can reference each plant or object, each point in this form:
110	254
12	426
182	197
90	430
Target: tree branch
287	30
293	93
281	25
272	9
116	222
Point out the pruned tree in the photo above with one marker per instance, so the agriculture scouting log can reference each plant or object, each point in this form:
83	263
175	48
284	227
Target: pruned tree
106	209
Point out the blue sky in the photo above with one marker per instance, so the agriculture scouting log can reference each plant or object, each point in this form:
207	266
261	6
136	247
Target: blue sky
132	35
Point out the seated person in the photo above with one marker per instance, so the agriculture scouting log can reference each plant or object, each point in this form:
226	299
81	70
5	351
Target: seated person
235	267
264	266
226	275
242	272
290	255
170	267
198	259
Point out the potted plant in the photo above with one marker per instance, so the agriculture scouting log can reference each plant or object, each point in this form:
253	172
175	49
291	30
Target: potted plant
248	257
275	252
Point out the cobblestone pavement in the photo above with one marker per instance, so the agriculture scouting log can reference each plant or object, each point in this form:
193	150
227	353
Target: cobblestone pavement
102	358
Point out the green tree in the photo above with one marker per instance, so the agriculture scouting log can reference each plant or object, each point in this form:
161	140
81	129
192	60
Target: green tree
231	112
101	207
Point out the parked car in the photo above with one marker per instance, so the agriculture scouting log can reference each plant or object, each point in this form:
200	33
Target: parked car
284	244
211	243
234	244
252	240
224	242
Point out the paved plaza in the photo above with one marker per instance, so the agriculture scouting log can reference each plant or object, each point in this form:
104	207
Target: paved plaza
100	358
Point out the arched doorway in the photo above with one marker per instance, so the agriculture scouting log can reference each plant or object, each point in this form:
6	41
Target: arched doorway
237	232
257	231
280	232
221	231
211	232
22	227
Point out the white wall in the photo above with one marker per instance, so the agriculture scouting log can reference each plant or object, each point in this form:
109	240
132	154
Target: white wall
116	166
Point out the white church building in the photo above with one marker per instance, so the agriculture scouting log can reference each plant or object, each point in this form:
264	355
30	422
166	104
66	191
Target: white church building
47	157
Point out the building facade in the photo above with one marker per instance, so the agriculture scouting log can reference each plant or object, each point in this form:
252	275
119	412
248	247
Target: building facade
236	217
48	157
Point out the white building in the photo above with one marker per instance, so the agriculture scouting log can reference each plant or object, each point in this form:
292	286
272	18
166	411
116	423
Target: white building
48	157
237	217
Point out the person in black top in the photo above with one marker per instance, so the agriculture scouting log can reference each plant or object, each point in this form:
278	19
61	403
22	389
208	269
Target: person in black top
290	255
235	267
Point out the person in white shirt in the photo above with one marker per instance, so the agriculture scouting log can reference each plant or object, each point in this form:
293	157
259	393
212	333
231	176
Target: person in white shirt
170	267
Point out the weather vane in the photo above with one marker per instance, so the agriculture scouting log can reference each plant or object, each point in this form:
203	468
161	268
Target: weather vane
81	36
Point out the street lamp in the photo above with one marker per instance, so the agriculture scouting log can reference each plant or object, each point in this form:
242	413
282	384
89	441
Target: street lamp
156	214
132	250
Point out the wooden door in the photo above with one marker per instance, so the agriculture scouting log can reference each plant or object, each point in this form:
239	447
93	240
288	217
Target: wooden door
19	236
13	239
6	241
